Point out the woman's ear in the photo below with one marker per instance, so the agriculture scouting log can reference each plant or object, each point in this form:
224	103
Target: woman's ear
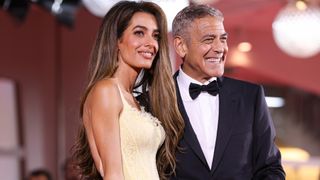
180	46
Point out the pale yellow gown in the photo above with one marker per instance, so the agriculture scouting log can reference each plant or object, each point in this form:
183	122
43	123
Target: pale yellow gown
141	135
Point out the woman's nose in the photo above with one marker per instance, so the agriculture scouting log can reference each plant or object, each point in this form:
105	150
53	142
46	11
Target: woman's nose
151	41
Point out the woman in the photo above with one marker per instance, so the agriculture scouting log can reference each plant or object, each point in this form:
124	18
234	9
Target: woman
118	139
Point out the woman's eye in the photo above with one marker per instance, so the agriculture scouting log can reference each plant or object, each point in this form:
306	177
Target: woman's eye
139	33
156	37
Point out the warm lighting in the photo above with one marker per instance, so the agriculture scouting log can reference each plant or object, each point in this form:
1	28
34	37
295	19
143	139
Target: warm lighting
298	164
275	102
238	58
301	172
244	46
99	7
301	5
294	154
204	1
296	30
170	7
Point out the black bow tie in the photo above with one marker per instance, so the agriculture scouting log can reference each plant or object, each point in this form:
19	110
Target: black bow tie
195	89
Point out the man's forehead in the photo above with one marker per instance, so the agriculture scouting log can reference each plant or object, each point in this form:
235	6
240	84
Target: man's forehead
206	25
208	22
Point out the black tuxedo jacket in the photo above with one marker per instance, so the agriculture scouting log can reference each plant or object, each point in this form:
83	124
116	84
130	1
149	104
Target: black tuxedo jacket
245	146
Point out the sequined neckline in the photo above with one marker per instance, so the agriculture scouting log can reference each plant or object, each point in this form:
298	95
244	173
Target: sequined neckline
144	113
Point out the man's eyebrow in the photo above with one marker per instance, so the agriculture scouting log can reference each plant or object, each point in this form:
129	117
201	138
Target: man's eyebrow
214	35
209	36
225	34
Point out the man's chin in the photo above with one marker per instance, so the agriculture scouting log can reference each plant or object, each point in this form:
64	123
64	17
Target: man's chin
217	73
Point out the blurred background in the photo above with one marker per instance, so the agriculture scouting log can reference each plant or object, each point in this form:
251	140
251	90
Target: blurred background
44	51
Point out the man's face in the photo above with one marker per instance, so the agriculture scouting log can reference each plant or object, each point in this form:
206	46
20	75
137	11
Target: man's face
205	49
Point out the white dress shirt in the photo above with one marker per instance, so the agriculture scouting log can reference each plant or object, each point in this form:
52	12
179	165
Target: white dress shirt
203	113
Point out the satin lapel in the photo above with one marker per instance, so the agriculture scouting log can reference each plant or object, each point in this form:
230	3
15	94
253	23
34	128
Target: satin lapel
227	110
189	135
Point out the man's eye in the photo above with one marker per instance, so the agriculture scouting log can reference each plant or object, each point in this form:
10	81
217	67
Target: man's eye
208	41
224	39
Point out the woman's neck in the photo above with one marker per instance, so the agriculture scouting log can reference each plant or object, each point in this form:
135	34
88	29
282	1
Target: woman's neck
126	78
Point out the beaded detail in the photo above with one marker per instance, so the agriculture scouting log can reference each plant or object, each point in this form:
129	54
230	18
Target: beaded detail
141	135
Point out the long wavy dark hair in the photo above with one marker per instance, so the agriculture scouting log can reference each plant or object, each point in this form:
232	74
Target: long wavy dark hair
156	82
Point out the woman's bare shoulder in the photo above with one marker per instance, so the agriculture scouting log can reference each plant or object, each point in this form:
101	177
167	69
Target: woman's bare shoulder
104	95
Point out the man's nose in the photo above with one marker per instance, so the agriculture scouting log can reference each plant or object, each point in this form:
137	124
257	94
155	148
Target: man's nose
218	46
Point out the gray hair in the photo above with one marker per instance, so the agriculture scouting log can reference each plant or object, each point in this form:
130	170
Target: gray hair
187	15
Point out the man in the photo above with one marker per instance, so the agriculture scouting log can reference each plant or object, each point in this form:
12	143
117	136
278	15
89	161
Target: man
229	133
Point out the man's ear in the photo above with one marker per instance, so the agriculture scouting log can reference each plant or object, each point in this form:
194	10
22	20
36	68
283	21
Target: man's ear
180	46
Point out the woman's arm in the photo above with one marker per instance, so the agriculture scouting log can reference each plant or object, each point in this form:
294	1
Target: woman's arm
101	119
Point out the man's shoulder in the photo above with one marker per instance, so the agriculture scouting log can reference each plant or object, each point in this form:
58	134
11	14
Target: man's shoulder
229	82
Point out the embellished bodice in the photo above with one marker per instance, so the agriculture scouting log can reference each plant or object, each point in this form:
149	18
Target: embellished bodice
141	135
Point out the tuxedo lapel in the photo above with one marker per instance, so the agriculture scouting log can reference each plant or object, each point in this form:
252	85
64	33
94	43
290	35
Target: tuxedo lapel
227	103
189	134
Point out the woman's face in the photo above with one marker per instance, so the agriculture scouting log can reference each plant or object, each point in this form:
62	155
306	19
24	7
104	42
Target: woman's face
139	45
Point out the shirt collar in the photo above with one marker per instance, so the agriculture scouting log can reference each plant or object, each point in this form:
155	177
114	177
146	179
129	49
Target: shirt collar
184	82
186	79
